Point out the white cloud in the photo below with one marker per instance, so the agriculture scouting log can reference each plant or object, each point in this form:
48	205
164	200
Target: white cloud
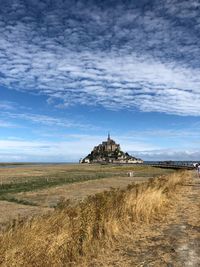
127	57
6	105
168	154
44	120
13	150
191	132
43	151
72	148
6	124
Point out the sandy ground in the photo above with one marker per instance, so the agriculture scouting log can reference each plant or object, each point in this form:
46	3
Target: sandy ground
174	242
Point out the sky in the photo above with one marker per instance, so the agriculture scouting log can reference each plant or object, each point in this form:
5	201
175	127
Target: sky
72	71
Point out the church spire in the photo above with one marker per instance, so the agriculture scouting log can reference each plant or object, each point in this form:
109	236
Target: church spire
108	136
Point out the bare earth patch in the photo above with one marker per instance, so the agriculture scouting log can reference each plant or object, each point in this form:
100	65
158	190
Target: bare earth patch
173	242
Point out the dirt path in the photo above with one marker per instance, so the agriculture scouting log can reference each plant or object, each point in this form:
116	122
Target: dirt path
174	242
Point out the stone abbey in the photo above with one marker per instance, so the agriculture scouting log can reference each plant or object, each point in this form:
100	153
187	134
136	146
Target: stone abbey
109	152
108	146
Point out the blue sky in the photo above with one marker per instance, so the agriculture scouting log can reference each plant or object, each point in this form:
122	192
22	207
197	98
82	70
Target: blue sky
70	71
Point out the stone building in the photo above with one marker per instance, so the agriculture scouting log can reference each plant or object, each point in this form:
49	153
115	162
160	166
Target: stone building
107	146
109	152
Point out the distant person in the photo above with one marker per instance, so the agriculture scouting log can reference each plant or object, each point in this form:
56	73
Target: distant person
198	170
195	165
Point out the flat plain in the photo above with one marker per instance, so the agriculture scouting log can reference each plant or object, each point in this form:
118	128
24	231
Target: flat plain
27	190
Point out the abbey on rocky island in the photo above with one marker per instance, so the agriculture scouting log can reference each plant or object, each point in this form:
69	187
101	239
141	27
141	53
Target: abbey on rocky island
109	152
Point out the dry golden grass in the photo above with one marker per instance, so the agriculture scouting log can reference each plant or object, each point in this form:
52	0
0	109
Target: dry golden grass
23	173
10	211
73	233
49	197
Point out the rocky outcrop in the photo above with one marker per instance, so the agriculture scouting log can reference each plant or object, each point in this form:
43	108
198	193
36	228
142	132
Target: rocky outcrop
109	152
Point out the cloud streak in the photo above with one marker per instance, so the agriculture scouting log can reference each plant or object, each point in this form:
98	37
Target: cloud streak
70	147
5	124
44	120
6	105
117	55
79	146
167	154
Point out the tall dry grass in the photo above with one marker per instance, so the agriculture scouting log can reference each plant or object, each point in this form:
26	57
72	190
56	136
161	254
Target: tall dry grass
73	233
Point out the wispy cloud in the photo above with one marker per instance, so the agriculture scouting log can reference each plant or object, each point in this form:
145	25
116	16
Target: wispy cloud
70	148
191	131
168	154
75	146
5	124
117	55
6	105
35	150
57	122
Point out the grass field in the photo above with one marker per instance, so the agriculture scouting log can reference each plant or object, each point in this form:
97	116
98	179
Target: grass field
74	232
42	186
